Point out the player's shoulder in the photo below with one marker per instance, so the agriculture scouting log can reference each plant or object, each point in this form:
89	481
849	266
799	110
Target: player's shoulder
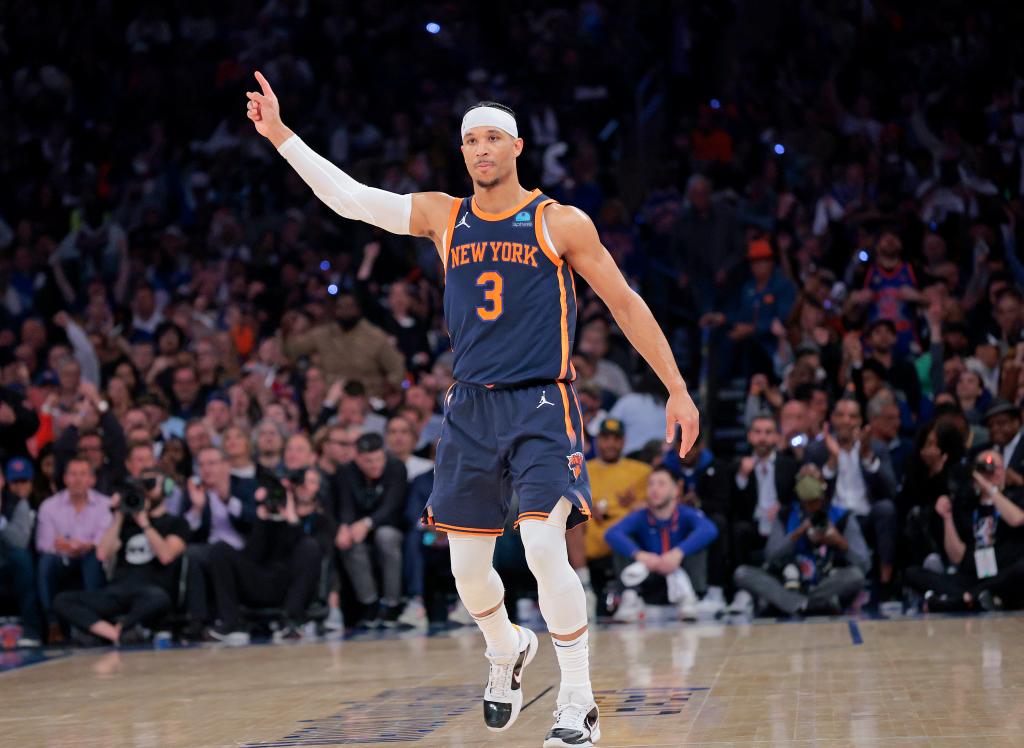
568	225
559	214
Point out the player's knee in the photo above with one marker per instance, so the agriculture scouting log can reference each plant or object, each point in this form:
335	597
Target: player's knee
543	552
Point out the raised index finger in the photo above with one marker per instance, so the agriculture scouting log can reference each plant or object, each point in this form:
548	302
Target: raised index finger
267	90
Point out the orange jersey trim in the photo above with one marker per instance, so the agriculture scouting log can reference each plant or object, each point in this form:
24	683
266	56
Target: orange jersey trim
569	430
468	530
453	214
480	213
583	429
530	515
538	229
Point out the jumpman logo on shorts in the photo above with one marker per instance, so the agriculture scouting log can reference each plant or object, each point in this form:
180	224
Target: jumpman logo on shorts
544	399
462	221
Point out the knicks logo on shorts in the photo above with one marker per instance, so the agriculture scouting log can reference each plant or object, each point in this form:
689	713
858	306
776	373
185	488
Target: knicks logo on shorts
575	464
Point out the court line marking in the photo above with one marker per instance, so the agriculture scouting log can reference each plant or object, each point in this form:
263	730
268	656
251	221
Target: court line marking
527	704
855	633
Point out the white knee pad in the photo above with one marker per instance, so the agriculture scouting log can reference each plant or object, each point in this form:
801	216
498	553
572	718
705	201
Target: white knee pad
479	585
562	599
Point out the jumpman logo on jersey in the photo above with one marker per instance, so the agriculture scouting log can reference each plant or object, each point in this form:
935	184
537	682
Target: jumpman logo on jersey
544	399
462	221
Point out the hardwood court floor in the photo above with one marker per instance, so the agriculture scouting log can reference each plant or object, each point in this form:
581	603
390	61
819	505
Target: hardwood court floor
914	682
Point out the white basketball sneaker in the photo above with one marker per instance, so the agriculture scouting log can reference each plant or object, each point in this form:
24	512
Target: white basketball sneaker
503	697
576	726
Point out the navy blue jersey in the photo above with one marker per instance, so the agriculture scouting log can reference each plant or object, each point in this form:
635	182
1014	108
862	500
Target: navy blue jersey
509	300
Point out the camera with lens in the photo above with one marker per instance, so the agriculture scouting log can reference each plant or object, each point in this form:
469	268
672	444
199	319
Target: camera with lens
819	521
986	466
134	492
276	496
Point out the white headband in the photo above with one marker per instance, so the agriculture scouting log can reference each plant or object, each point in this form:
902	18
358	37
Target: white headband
488	116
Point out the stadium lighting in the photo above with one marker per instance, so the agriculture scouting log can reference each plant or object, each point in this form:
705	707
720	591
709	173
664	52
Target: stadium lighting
433	28
325	265
332	290
779	149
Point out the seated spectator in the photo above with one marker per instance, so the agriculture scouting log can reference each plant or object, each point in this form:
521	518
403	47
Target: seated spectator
147	545
1003	421
618	485
426	421
269	437
400	439
932	471
763	482
884	421
981	539
280	564
237	451
218	511
815	560
69	526
17	568
892	364
369	512
862	481
668	540
337	448
217	416
593	344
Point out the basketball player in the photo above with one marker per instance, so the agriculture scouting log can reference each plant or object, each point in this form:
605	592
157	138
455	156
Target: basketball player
512	421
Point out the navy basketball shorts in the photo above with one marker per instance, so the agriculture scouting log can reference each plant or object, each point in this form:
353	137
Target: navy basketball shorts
525	439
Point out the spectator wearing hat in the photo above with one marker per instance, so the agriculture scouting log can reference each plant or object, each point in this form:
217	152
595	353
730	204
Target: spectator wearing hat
618	485
17	571
767	297
69	526
892	366
815	559
1003	421
369	510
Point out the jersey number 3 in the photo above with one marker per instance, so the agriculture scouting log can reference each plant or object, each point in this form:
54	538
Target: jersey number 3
494	285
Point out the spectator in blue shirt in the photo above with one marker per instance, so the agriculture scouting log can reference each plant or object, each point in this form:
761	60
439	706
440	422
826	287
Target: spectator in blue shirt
666	542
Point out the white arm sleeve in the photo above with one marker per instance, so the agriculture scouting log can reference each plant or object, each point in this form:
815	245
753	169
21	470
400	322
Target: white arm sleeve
344	195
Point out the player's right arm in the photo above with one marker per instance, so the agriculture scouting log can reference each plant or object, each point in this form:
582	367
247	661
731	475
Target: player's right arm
422	214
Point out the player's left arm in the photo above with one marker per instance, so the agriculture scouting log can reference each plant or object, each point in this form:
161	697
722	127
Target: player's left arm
576	238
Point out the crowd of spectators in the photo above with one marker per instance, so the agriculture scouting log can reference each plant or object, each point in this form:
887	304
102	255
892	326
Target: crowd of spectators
219	401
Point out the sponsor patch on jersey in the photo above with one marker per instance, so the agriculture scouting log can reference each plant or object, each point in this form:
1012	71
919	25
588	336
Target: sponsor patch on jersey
575	464
523	219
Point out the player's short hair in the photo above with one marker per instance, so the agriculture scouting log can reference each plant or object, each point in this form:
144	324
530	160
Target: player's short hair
493	104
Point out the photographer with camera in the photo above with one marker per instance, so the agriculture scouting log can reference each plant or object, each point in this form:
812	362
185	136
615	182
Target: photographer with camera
815	559
147	542
280	564
982	540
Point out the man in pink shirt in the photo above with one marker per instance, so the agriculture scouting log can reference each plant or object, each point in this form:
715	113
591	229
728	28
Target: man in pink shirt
70	524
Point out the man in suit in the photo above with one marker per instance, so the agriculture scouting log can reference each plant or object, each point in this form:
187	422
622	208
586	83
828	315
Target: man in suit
884	421
762	483
862	481
219	508
1003	421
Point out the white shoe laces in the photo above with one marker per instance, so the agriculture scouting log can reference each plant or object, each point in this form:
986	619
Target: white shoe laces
499	681
570	716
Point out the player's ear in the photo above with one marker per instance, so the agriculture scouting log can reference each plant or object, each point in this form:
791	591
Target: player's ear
517	147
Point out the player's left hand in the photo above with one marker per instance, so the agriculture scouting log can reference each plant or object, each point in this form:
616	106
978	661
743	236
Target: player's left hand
680	409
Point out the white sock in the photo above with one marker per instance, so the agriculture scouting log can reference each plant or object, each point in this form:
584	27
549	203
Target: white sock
501	636
574	661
